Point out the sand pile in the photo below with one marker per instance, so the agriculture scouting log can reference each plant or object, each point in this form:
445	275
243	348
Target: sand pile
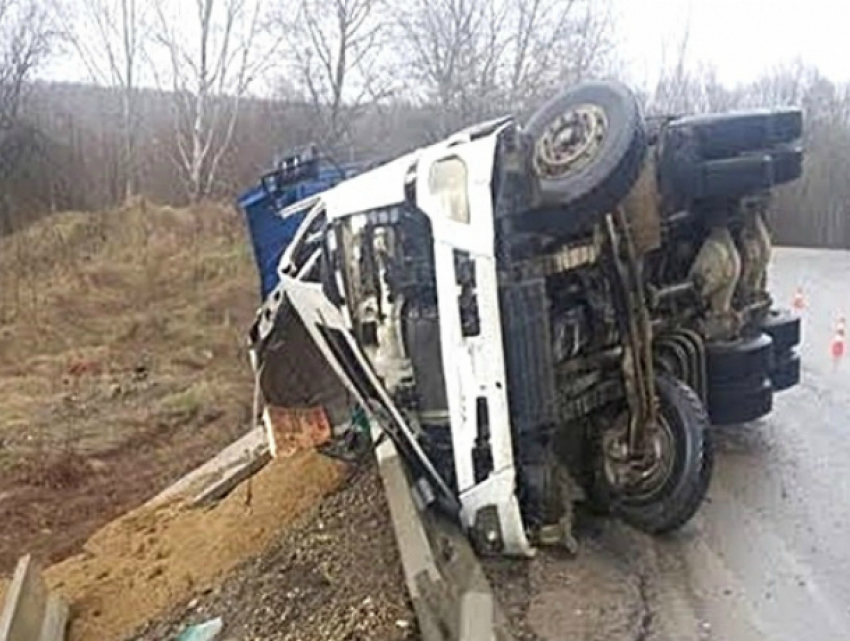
150	559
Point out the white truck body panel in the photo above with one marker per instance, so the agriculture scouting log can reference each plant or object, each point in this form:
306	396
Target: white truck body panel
474	365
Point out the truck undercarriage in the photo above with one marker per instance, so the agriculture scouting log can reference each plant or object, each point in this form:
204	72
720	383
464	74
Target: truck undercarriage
548	313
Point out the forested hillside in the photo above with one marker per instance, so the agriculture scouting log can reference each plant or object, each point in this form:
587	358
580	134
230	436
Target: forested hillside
184	107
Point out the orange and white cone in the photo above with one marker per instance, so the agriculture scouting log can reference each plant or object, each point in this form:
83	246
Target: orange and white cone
839	340
799	301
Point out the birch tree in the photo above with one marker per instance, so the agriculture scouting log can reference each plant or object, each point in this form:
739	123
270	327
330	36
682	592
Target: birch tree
473	59
213	58
553	43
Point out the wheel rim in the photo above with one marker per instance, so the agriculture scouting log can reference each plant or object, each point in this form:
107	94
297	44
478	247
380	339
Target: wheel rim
639	481
570	141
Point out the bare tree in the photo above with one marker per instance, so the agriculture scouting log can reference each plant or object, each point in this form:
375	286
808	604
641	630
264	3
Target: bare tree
213	60
24	43
474	58
442	45
335	49
109	36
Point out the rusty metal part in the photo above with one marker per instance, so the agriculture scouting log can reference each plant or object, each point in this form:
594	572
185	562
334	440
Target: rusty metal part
755	250
636	330
605	393
564	259
717	269
642	207
715	274
658	296
570	141
751	298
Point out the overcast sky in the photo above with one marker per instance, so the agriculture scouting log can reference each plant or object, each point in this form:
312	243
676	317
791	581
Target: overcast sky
741	38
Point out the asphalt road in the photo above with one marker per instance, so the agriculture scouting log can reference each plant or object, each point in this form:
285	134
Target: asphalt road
767	556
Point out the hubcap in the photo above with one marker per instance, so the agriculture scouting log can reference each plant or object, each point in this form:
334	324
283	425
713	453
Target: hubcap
570	141
639	479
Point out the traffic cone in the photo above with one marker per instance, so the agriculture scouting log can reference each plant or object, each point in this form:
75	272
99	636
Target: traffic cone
799	301
839	340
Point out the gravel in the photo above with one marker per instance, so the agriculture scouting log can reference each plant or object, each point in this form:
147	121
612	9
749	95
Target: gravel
336	576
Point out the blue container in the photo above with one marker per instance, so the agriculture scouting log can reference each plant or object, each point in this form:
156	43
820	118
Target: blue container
270	233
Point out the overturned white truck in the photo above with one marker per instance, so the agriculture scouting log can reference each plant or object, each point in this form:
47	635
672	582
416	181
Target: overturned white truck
545	313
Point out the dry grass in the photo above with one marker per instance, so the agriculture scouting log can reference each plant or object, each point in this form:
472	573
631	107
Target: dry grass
110	322
122	364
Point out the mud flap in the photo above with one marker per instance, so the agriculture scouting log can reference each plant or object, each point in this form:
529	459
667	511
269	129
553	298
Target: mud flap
305	310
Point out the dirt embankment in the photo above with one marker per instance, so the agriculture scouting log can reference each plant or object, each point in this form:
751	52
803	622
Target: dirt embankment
122	367
122	364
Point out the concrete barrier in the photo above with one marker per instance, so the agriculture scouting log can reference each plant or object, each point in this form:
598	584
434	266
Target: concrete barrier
215	478
30	611
450	593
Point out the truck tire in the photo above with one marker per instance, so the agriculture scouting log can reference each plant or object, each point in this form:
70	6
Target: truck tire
733	177
748	173
786	373
736	405
787	164
672	499
742	363
728	155
587	149
784	328
729	134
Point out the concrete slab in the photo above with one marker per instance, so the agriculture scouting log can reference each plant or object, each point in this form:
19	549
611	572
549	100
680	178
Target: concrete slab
235	462
55	619
30	613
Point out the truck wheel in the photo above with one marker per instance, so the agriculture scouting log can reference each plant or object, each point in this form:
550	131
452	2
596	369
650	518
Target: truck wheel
587	149
787	164
786	374
784	328
743	362
670	489
739	404
728	134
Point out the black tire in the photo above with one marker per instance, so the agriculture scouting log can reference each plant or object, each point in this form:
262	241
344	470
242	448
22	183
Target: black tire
739	363
739	405
787	164
733	177
786	373
749	173
725	135
576	197
678	498
728	155
784	328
